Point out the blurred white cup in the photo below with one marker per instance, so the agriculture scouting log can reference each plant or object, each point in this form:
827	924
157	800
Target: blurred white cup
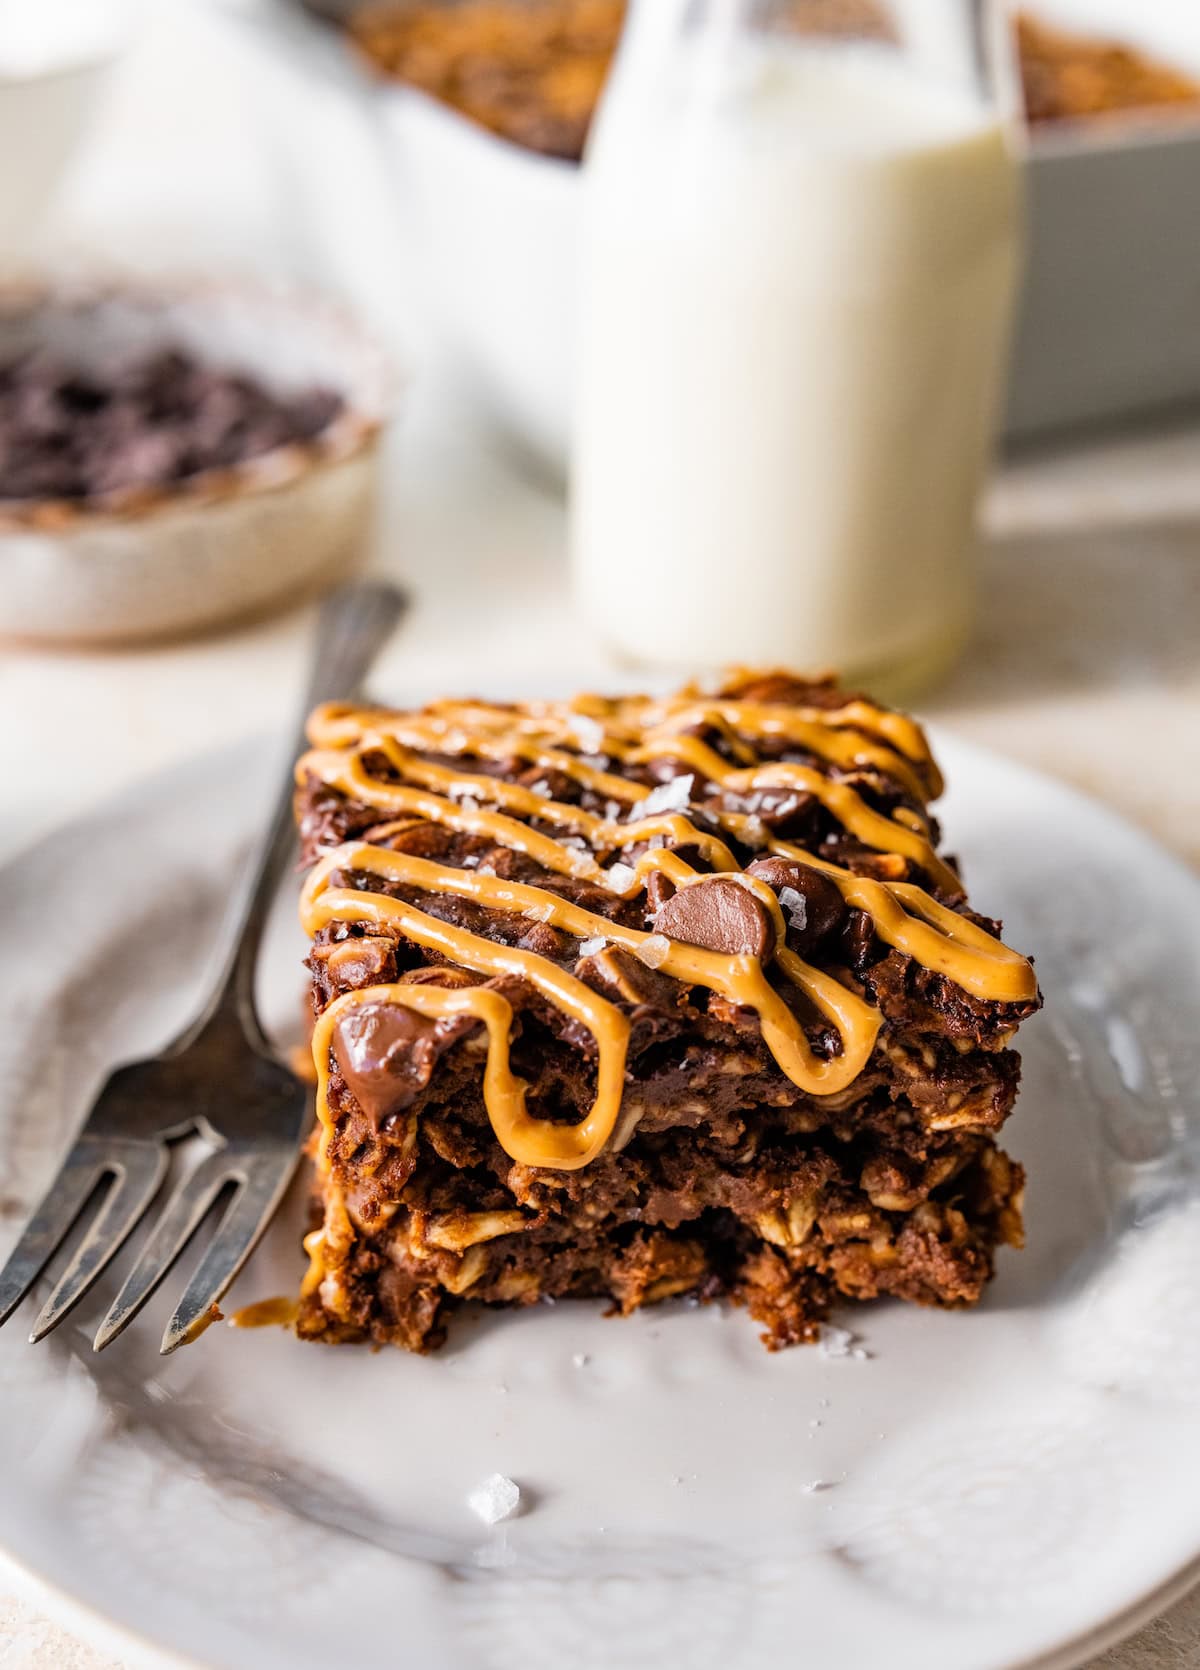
54	59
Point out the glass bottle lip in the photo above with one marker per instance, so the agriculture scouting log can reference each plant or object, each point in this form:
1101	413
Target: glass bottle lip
967	42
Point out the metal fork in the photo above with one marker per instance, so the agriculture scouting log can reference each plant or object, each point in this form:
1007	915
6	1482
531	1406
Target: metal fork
219	1080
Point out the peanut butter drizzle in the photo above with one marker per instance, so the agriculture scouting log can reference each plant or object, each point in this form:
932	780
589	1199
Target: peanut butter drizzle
352	777
633	730
762	720
840	735
265	1313
740	979
528	1140
943	941
902	731
847	805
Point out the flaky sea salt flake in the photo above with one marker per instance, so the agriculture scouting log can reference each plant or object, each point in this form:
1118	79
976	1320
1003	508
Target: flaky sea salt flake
672	796
795	908
654	951
839	1342
754	831
588	732
620	877
495	1499
538	913
589	947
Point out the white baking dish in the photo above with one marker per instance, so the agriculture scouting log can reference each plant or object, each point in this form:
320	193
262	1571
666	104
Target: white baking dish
1110	317
493	228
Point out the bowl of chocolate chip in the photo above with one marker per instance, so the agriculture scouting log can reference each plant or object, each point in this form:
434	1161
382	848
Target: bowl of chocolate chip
173	459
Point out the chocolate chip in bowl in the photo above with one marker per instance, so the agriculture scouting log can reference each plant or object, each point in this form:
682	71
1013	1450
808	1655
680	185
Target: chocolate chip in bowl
174	458
139	423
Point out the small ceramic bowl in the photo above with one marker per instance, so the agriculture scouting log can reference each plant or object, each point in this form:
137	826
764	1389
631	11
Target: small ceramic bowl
155	562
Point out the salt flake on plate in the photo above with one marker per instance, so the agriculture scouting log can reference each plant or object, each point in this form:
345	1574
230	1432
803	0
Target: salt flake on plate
495	1499
840	1342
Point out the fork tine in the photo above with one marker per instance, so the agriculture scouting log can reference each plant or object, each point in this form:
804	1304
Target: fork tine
181	1217
64	1200
263	1185
139	1169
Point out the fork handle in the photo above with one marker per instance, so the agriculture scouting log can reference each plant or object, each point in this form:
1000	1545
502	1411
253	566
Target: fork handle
353	624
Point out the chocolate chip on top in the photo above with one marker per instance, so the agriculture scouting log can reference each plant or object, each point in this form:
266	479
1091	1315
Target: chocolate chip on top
386	1054
718	914
824	909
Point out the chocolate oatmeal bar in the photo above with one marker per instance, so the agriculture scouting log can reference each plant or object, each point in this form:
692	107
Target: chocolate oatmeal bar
636	997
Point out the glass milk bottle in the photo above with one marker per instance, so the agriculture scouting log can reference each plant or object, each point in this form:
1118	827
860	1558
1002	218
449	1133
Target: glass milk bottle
799	258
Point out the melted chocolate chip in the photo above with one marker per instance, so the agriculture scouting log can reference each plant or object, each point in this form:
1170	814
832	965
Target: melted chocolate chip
621	976
362	962
659	888
387	1054
824	907
718	915
857	941
544	941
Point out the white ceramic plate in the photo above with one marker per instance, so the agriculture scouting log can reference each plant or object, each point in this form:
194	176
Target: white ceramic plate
1016	1485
